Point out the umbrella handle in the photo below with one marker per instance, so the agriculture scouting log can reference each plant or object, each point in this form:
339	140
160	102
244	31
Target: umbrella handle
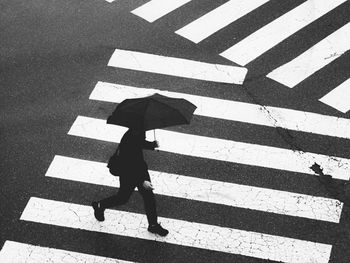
154	135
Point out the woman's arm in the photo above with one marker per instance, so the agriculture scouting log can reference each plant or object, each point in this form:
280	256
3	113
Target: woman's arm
150	145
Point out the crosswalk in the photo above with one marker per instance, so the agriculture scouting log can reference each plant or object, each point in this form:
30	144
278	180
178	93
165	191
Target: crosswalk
217	19
338	98
20	252
185	233
313	59
205	190
155	9
269	116
278	30
189	187
220	149
270	36
177	67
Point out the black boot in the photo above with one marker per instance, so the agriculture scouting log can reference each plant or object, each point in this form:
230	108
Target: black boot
158	229
98	211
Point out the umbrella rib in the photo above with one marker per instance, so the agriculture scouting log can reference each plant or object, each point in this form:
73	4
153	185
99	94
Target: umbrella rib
174	108
179	99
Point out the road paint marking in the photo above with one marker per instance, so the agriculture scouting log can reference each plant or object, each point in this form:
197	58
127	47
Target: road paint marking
178	67
217	19
313	59
278	30
15	252
339	98
235	110
155	9
184	233
220	149
204	190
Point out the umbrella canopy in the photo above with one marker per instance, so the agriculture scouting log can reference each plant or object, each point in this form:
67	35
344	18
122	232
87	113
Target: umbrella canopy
152	112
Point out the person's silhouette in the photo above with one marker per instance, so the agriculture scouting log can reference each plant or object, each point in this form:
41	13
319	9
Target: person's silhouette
134	173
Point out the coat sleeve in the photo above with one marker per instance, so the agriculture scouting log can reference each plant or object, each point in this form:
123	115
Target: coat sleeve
148	145
146	176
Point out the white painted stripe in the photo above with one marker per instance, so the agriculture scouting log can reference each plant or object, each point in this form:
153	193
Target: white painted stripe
339	98
278	30
219	149
155	9
15	252
177	67
313	59
217	19
182	233
204	190
236	111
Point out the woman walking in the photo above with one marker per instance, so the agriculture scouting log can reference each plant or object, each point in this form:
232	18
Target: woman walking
133	174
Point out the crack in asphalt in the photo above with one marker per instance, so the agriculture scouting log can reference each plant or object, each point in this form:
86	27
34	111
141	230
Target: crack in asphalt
338	190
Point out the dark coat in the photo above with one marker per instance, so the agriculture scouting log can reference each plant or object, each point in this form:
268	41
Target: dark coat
131	146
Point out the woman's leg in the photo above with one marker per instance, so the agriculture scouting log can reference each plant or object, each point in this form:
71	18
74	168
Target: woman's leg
151	211
149	203
122	197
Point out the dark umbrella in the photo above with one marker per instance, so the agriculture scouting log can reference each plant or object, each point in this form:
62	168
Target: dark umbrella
152	112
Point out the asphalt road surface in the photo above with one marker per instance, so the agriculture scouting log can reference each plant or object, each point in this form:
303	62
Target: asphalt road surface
270	80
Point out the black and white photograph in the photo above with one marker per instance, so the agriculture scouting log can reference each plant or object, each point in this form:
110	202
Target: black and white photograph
174	131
